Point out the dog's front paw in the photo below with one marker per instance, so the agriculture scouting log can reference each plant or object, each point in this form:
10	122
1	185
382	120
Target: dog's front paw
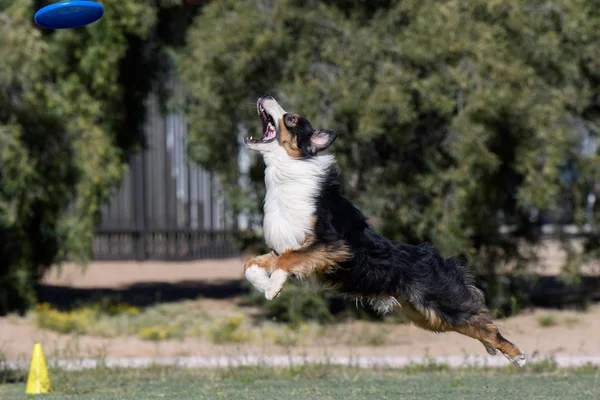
257	276
278	278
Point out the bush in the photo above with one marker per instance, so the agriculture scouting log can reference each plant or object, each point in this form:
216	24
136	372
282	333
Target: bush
547	321
82	319
159	332
298	303
74	321
446	136
228	330
110	318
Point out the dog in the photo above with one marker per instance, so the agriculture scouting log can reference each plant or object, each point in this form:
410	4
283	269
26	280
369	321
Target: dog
314	231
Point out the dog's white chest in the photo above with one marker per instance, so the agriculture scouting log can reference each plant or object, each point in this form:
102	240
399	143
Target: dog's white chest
290	203
287	220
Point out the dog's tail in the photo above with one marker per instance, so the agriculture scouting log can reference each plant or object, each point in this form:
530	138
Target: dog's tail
448	300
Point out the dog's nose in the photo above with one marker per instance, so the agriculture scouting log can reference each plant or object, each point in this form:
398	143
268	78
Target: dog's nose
266	96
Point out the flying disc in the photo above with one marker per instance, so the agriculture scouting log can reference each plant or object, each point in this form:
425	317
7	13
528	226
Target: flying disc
69	14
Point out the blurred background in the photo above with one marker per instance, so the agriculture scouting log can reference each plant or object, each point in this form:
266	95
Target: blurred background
128	202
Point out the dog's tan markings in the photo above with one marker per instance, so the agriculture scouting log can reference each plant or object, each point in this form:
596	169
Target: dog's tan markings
488	333
266	262
288	141
313	258
480	327
313	225
426	318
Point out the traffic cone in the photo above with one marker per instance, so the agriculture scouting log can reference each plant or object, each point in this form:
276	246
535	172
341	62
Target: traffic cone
38	381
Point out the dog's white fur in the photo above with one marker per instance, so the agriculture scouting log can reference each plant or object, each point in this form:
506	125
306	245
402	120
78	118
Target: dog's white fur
257	277
278	278
292	189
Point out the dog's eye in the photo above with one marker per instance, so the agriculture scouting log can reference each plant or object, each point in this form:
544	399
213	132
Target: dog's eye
292	120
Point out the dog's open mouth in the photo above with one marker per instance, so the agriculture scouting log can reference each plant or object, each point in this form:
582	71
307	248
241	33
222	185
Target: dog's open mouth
269	131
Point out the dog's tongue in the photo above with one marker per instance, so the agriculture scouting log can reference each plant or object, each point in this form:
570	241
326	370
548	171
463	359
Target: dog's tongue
269	132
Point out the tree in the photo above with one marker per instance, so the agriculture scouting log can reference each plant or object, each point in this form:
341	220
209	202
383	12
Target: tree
455	118
68	112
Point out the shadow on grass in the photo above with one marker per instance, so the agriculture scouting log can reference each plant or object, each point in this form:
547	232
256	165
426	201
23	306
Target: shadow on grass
540	291
142	294
8	375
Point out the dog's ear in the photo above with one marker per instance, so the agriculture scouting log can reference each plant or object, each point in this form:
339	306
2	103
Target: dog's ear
321	139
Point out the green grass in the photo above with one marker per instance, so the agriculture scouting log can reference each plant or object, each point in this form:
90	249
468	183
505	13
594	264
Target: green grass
316	382
548	320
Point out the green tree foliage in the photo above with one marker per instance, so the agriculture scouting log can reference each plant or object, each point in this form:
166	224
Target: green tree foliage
67	102
455	117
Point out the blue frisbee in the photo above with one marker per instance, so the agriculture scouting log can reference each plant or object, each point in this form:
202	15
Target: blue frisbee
68	14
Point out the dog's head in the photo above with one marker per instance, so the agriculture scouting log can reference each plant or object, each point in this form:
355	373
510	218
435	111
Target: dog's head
290	132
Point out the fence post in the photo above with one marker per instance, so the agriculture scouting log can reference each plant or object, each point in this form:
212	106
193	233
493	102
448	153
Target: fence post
139	199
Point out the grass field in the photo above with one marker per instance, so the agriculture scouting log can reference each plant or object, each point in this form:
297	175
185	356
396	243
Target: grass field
314	382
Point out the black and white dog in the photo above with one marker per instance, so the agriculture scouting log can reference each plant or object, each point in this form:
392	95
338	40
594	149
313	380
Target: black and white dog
313	230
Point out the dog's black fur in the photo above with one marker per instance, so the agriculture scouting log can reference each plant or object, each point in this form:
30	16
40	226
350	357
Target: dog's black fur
379	266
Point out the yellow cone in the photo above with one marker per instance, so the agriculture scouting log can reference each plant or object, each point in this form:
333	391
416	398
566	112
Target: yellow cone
38	381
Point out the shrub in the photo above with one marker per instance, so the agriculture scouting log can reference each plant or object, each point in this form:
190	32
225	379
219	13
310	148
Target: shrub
547	321
298	303
159	332
82	319
441	143
295	304
74	321
228	330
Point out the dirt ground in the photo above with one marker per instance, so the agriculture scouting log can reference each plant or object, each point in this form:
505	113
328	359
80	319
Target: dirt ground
574	333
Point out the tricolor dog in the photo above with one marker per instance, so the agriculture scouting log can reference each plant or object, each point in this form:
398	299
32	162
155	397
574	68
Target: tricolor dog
313	230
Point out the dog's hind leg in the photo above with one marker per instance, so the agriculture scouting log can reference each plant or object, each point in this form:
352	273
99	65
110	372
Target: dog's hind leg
488	333
492	351
479	327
